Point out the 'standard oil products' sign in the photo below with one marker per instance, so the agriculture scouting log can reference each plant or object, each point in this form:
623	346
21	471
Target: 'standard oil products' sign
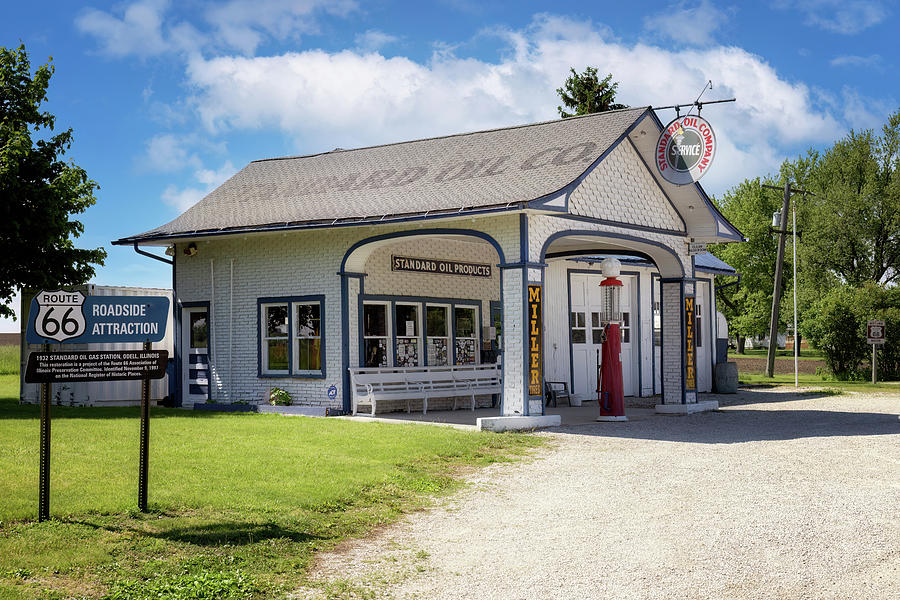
71	318
685	149
442	267
535	328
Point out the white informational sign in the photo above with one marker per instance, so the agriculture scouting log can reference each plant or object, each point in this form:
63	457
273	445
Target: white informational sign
410	329
875	332
685	150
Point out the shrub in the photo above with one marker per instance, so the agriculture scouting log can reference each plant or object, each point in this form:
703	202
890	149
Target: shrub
279	397
836	324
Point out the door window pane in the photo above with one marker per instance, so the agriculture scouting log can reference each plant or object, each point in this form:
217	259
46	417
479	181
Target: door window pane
199	330
579	331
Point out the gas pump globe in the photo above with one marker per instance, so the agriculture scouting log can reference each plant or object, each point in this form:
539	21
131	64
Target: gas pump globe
610	390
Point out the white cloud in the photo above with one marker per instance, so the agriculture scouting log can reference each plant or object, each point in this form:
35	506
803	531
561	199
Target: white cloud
351	98
242	24
688	24
184	198
847	17
168	153
373	40
873	60
138	31
147	28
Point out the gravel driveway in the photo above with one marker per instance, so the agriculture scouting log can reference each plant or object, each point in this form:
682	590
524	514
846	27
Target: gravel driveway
777	495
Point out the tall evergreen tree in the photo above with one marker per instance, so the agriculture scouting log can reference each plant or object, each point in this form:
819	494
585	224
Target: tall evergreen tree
585	93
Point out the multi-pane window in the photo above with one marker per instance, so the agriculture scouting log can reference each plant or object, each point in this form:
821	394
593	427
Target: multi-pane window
307	338
407	335
466	330
375	335
291	337
437	335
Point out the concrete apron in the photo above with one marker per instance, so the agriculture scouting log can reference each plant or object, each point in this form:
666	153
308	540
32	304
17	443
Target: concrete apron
489	419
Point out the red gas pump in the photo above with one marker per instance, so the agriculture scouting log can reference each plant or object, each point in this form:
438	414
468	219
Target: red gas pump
610	391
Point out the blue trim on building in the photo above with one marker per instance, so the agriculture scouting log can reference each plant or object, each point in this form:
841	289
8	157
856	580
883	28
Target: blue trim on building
672	232
290	301
602	234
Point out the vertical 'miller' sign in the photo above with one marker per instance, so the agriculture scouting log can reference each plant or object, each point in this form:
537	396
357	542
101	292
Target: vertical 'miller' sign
535	345
690	363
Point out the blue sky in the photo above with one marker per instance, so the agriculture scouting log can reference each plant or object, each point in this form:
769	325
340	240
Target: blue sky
168	99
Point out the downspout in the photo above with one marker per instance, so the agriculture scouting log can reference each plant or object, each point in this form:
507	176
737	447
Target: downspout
231	333
153	256
212	311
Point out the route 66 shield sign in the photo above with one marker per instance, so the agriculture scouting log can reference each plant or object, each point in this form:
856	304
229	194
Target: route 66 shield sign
60	315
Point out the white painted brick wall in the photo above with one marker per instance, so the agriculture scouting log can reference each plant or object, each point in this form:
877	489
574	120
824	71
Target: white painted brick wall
672	375
297	264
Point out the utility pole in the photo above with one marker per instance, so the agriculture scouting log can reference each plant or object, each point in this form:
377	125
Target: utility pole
779	268
776	293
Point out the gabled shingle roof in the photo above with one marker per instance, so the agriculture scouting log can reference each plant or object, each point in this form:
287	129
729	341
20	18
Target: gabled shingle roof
496	168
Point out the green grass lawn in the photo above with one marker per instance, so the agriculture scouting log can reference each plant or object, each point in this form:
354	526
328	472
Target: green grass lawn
818	381
805	354
239	503
9	360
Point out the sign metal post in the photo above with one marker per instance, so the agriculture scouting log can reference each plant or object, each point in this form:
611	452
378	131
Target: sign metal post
875	335
145	438
44	478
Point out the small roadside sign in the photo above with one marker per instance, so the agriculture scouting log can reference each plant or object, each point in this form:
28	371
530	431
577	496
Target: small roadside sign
875	332
696	248
58	367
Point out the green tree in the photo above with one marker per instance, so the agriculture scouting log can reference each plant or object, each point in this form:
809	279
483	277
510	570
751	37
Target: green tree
852	225
40	191
585	93
747	306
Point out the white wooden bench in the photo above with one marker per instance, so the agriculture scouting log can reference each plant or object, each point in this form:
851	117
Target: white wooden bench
368	385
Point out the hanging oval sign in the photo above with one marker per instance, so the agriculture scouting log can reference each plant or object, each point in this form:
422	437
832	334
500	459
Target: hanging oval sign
685	150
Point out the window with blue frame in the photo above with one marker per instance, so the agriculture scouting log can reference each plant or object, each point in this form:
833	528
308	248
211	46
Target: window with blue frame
291	341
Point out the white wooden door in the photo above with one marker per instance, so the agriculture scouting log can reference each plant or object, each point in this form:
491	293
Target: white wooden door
194	355
585	333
